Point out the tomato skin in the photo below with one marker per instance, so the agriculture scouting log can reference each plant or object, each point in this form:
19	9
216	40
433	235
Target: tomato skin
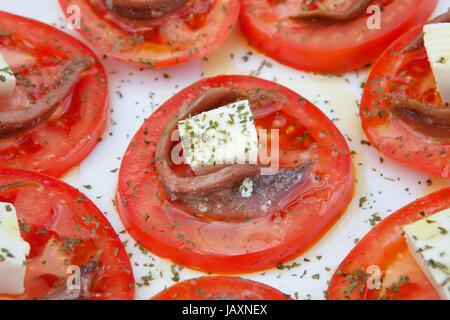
319	53
220	288
241	246
74	129
384	246
151	49
408	74
51	210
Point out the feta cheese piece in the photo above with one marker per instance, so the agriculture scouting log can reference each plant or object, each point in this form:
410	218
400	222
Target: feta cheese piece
225	135
437	44
13	252
7	79
246	188
429	242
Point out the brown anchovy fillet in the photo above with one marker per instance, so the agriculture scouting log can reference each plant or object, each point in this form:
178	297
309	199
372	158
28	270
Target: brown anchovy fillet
217	195
417	42
358	8
187	187
144	9
428	120
17	121
87	275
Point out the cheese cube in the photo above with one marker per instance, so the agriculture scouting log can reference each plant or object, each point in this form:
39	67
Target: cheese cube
437	44
13	252
246	188
225	135
7	79
429	242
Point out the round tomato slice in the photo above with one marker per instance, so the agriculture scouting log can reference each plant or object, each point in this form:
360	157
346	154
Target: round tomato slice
324	46
403	74
64	228
220	288
384	247
190	33
37	53
256	242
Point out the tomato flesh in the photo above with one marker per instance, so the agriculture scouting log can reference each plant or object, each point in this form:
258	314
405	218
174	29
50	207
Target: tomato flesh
405	74
220	288
323	46
64	228
385	247
241	245
189	33
37	52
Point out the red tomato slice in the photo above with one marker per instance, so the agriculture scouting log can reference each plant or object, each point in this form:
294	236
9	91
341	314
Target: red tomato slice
406	74
253	243
220	288
327	47
188	34
385	247
36	52
64	228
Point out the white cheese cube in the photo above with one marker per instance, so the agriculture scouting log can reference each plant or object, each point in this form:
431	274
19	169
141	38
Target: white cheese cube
429	242
226	135
7	79
437	44
246	188
13	252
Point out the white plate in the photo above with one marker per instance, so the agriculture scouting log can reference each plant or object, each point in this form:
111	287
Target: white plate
135	94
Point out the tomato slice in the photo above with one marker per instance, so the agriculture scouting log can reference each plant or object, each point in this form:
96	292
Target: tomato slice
253	243
64	228
327	47
220	288
385	247
403	74
37	52
189	33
